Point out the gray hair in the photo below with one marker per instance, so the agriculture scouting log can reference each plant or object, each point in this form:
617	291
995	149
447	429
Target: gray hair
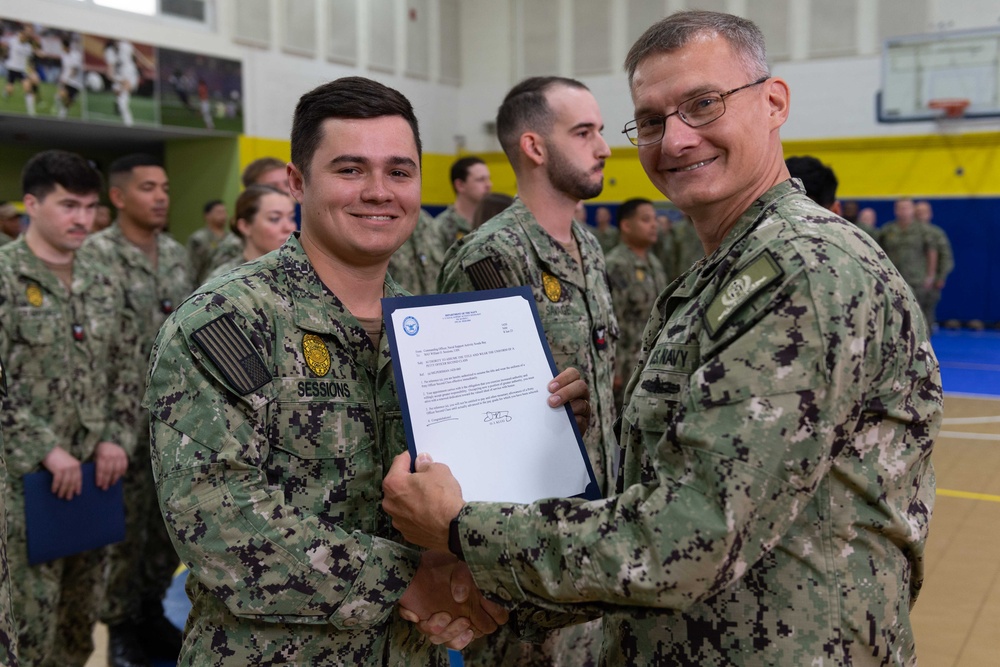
676	30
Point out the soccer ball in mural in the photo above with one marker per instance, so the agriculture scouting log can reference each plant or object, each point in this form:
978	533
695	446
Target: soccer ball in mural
95	82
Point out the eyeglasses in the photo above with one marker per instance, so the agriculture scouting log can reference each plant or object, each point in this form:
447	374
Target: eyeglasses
694	112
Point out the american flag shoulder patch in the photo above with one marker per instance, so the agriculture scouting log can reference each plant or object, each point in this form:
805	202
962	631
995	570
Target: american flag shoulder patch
231	352
485	275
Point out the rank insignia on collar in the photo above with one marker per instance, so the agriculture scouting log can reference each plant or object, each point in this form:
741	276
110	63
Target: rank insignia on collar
317	356
552	287
78	335
640	275
34	295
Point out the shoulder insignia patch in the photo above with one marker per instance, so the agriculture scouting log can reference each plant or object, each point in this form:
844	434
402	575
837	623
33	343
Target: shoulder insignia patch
485	275
754	277
34	295
552	287
316	354
231	352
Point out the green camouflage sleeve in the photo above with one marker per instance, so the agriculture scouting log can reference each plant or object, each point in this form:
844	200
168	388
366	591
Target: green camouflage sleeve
264	558
620	275
125	378
453	277
199	251
20	422
713	492
946	258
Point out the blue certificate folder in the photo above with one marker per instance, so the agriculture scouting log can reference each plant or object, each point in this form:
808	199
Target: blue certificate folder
58	528
391	305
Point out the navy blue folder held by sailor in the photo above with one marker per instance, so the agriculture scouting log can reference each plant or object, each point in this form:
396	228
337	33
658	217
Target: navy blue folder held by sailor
58	528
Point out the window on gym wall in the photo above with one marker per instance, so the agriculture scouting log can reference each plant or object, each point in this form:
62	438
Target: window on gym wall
187	9
192	10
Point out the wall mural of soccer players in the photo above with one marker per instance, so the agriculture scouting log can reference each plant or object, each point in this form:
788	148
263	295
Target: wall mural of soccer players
42	70
121	80
51	72
200	91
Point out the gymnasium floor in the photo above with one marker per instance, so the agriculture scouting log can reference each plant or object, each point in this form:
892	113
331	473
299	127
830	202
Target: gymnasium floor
960	601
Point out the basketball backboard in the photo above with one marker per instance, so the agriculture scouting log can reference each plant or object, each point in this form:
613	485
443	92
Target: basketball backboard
918	70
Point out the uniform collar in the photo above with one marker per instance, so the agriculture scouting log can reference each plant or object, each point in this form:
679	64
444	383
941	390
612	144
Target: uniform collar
32	268
552	256
316	308
130	252
762	207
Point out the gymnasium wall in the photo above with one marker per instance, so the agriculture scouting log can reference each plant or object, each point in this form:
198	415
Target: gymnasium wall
833	108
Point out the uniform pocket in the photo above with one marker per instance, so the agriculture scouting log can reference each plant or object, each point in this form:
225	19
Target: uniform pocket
323	454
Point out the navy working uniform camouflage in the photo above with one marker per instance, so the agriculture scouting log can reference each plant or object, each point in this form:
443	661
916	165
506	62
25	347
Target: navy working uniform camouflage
415	266
141	568
635	283
274	422
449	226
907	248
201	247
72	374
574	306
776	486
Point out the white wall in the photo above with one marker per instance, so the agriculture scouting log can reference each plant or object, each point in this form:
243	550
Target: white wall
273	80
831	97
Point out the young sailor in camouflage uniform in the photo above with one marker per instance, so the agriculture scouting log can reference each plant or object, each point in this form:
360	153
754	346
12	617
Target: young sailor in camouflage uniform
636	278
911	249
470	179
275	417
155	273
550	128
70	349
938	241
776	485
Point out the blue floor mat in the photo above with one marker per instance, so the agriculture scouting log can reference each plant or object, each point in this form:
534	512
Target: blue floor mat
970	361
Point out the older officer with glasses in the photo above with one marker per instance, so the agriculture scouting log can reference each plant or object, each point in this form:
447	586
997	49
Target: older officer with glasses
776	485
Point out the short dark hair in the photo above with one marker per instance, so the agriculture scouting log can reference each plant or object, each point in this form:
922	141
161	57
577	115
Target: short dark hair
124	166
525	108
347	97
675	31
258	168
45	170
210	204
818	179
629	207
460	170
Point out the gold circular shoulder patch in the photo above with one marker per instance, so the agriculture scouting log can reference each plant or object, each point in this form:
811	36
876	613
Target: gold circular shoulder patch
552	287
34	294
317	356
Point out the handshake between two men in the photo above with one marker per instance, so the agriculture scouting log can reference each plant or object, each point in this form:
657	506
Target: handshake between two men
442	598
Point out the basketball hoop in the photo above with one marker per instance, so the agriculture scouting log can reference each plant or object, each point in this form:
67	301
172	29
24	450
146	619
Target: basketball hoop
952	107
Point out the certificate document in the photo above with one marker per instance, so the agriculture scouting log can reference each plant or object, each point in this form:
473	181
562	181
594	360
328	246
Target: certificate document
472	373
